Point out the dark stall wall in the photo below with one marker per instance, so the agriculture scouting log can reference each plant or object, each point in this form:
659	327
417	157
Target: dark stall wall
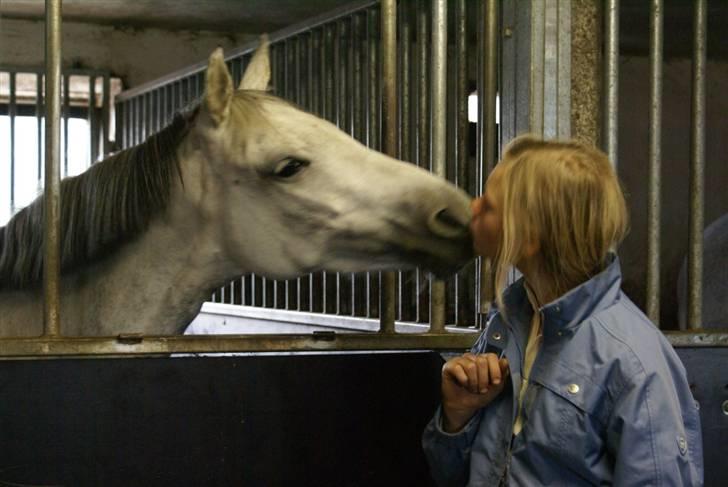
338	420
634	103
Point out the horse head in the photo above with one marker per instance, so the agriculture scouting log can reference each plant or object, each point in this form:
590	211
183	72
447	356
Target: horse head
289	193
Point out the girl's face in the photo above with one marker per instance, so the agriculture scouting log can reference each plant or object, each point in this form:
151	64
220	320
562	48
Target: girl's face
486	224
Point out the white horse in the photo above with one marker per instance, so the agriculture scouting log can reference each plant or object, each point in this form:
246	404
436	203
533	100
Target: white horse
245	182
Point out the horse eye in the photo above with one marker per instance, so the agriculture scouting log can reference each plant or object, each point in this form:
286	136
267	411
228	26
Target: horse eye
289	168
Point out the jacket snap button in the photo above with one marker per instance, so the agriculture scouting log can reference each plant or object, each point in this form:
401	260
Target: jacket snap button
573	388
497	336
682	444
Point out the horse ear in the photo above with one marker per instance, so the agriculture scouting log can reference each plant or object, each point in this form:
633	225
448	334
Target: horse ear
218	88
257	74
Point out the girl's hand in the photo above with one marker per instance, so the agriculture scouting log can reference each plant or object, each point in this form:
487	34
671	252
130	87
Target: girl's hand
470	382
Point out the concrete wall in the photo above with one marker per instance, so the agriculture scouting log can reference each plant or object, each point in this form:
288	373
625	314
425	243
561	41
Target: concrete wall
634	105
135	55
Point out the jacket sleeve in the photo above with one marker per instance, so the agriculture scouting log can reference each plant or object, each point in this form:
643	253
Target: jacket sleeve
448	454
654	433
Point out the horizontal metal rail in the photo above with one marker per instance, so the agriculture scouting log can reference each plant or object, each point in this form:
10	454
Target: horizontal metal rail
137	345
304	318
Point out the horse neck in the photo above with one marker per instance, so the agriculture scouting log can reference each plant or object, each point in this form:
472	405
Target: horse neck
157	283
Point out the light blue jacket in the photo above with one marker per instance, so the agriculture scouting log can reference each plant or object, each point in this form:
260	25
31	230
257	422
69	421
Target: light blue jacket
608	402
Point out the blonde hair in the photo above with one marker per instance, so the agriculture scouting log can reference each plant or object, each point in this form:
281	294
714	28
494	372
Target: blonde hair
566	197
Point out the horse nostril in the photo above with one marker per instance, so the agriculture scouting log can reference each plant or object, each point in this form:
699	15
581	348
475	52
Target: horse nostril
446	223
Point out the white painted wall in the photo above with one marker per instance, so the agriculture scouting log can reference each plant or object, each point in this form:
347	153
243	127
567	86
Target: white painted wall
135	55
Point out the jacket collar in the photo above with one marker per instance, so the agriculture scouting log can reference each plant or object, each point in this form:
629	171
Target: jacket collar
566	312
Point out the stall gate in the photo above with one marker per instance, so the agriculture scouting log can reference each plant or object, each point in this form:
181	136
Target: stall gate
333	67
390	75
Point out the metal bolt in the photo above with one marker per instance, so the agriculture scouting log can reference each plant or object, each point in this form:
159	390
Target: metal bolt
507	32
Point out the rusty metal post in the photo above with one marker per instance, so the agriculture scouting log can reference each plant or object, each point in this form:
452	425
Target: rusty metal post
52	194
611	80
697	167
654	181
487	90
439	138
387	294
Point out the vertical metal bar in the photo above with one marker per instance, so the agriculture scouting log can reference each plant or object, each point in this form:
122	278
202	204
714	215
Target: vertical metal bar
487	136
106	114
611	81
388	21
39	125
11	114
122	111
465	279
439	138
654	190
697	167
358	37
243	287
341	69
316	74
52	195
422	311
136	122
372	131
129	121
405	295
145	115
154	118
311	105
299	83
337	119
66	115
328	97
92	120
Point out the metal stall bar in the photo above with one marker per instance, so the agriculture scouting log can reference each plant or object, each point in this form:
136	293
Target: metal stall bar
655	162
297	95
312	106
439	138
92	120
358	37
12	113
39	126
347	112
66	78
487	90
697	167
106	113
388	18
405	288
52	195
327	111
611	80
422	312
373	126
163	346
463	279
339	115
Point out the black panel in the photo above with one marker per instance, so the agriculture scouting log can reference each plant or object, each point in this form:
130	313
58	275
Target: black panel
323	420
331	420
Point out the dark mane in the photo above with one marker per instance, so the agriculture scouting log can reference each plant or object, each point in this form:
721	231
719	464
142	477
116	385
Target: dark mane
104	207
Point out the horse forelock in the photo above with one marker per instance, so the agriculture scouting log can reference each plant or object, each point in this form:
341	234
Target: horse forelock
101	209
